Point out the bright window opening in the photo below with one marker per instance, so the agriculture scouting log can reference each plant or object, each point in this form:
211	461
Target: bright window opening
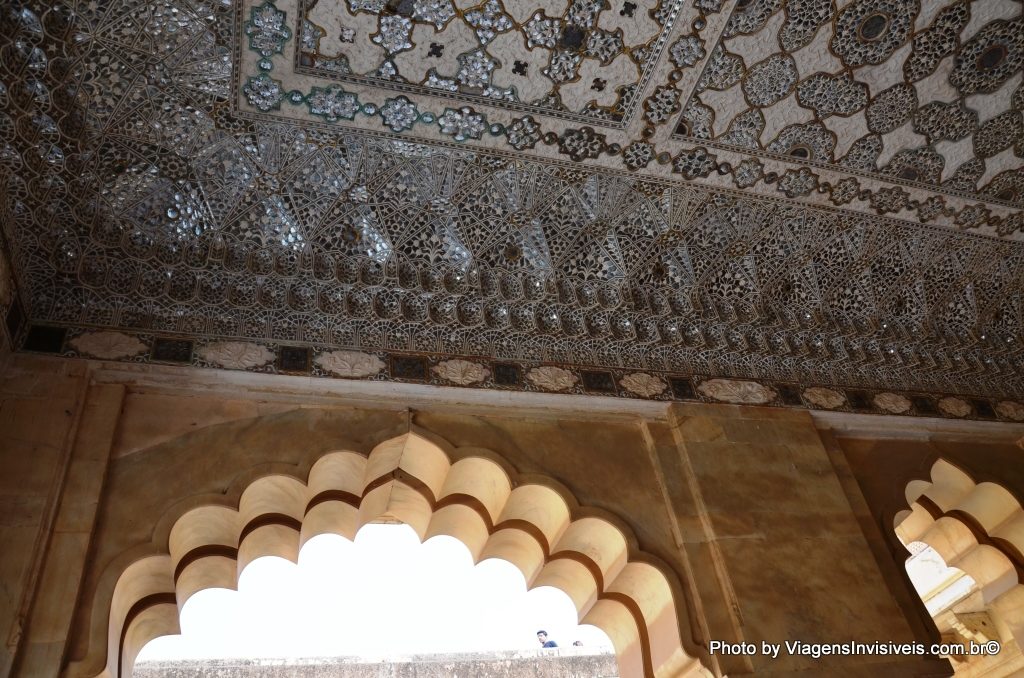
383	596
939	585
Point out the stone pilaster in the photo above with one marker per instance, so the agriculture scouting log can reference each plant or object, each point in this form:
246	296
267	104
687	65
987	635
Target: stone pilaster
770	524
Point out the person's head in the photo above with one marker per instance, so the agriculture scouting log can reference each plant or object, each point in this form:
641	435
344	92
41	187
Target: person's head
542	636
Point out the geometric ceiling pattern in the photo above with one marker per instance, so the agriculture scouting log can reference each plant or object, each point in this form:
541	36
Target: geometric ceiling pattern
926	92
826	193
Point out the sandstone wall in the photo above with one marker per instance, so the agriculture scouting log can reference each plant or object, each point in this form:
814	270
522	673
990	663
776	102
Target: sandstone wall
40	408
768	524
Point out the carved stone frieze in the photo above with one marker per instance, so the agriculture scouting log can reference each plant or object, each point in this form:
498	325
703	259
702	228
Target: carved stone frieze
737	392
551	378
1010	410
349	363
237	355
954	407
825	398
502	374
892	402
643	384
461	372
108	345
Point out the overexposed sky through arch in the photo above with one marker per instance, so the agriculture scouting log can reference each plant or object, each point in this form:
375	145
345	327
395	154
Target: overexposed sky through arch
385	594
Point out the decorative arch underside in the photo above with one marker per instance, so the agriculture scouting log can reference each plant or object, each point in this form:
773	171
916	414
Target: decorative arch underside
975	527
409	479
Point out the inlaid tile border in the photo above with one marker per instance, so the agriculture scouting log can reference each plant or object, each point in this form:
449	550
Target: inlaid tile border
498	374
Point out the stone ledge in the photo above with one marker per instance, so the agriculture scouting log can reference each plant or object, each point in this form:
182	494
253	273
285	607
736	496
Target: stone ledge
555	663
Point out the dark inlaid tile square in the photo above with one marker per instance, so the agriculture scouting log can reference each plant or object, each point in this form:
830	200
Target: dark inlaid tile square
171	350
925	406
682	388
983	408
293	359
45	339
859	400
507	374
598	381
789	394
15	319
409	367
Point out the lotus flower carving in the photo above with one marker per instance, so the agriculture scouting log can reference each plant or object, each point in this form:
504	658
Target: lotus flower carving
462	372
954	407
350	363
108	345
643	384
551	378
737	391
892	402
1009	409
236	355
825	398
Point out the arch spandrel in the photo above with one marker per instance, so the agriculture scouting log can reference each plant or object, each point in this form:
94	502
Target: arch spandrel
587	557
145	492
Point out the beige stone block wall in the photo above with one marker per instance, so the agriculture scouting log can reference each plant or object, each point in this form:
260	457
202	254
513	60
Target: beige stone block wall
40	400
81	493
774	526
765	528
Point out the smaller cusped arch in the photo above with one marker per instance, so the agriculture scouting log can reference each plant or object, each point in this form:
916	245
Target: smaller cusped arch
990	511
993	507
949	484
951	488
958	546
411	479
975	527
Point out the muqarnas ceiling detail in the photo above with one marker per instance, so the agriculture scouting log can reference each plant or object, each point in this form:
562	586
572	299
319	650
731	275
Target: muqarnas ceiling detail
146	190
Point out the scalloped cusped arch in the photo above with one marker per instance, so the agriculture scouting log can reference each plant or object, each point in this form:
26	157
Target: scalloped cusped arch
975	527
409	479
